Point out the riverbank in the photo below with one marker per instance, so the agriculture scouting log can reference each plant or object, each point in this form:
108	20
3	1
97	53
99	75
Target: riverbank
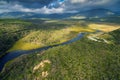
15	54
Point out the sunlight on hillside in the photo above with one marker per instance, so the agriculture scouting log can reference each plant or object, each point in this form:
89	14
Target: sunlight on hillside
20	45
80	29
41	38
37	39
104	27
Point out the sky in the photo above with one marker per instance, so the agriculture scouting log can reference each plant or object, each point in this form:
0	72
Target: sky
56	6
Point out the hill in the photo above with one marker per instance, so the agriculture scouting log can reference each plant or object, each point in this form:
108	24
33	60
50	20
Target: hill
84	59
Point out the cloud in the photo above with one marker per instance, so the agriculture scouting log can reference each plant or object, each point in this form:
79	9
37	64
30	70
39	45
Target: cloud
89	4
78	1
55	6
44	2
98	2
19	8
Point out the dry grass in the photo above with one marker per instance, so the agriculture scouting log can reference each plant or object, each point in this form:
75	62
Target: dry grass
21	45
41	38
104	27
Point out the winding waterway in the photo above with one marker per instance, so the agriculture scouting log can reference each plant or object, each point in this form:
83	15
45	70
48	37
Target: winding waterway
15	54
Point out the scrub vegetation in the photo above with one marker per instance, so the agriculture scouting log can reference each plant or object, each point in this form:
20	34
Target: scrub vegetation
85	59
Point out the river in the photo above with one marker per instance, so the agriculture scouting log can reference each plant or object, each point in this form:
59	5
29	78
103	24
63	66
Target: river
15	54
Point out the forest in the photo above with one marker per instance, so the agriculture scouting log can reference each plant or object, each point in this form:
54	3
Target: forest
94	57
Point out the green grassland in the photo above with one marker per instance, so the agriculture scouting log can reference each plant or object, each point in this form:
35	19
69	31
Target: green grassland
84	59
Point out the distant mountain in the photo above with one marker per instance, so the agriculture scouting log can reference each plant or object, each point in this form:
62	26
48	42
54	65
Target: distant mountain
95	13
14	15
33	15
98	13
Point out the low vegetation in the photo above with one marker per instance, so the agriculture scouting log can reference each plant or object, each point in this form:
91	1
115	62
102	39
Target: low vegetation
84	59
10	32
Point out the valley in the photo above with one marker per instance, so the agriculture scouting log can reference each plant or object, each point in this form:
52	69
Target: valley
59	39
55	49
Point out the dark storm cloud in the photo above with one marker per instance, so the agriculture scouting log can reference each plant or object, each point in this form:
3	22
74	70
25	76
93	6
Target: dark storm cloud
38	6
45	2
29	3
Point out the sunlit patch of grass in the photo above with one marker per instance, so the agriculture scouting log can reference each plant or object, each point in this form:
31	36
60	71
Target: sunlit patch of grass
78	17
81	29
112	37
51	21
104	27
41	38
102	19
105	36
21	45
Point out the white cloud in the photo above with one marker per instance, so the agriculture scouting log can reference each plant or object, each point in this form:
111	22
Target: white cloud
18	7
46	10
14	7
78	1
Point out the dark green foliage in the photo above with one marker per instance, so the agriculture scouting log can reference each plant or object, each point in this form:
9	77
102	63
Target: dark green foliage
82	60
10	31
116	36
